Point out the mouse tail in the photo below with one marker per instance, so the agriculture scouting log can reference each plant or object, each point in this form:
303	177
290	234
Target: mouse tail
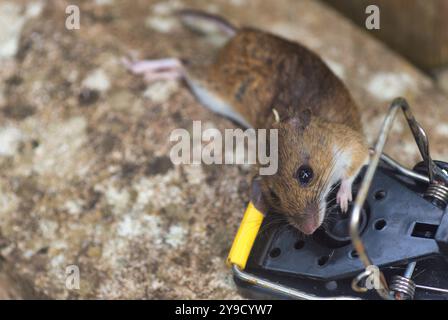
204	22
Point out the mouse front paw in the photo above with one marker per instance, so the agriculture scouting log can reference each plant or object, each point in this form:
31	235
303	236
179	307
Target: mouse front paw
344	195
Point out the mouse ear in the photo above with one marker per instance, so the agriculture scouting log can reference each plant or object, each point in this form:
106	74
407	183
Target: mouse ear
256	196
301	120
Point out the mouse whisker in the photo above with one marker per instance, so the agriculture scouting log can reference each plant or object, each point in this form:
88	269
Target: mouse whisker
274	221
326	178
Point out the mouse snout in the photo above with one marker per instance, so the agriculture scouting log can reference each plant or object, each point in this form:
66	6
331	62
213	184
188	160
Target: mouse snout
311	210
309	219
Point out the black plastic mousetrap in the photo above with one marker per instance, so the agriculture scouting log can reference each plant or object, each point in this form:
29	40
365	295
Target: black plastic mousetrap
392	245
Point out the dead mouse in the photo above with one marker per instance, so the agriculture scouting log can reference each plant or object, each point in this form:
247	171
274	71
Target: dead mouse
256	74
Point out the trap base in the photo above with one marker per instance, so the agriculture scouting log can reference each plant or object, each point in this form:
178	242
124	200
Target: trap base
398	226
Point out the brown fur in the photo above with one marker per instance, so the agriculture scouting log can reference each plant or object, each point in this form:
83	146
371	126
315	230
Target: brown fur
256	72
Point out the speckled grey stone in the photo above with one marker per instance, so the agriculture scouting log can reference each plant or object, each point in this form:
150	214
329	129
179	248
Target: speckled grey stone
88	184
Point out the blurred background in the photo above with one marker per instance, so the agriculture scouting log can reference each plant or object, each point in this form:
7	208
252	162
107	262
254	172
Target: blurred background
85	177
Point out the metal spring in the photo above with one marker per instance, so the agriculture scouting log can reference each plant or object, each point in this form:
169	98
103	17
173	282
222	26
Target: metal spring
438	191
404	286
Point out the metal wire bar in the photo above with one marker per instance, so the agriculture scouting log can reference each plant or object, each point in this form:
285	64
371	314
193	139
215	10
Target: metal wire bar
290	292
419	286
405	171
422	143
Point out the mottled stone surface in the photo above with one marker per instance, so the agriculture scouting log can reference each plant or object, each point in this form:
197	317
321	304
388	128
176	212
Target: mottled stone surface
442	79
85	177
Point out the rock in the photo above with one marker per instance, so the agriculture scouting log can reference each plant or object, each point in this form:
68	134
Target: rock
162	24
10	138
176	236
442	79
161	91
93	186
159	165
97	80
18	111
88	96
104	2
387	86
11	23
163	19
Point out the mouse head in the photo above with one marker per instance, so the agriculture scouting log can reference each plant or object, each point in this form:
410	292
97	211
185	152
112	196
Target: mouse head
305	171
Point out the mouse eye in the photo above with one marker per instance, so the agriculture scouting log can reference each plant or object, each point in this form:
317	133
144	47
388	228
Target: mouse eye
305	175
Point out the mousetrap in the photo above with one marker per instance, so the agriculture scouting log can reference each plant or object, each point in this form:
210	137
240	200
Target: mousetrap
393	244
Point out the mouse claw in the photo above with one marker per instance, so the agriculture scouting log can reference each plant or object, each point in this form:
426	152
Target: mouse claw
344	195
343	203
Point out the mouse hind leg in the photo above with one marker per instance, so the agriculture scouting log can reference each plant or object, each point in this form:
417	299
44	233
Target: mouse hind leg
202	88
211	98
158	69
